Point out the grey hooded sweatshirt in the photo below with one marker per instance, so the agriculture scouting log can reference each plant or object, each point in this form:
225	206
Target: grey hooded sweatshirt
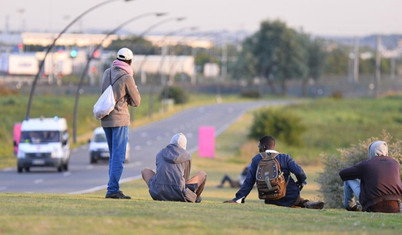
173	165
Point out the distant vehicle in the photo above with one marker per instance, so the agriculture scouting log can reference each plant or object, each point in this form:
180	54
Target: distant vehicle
98	148
19	64
43	142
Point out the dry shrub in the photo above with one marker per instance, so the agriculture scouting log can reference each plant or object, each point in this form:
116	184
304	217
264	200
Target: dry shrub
330	182
4	90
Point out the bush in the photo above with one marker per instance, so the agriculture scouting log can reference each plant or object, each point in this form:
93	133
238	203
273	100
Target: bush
250	94
279	123
337	95
331	184
175	93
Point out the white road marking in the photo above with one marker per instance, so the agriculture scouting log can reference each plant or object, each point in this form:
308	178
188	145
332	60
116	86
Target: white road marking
38	181
90	167
8	169
66	174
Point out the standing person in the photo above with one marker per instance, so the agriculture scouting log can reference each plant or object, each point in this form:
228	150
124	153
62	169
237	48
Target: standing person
171	181
117	123
287	165
380	180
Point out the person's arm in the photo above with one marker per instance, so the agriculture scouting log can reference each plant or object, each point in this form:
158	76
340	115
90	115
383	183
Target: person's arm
351	173
248	184
187	169
296	169
134	98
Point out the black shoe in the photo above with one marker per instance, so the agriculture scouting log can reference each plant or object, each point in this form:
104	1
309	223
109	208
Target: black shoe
199	199
356	207
118	195
314	205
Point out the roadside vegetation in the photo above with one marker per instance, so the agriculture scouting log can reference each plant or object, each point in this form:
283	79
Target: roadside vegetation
14	109
91	213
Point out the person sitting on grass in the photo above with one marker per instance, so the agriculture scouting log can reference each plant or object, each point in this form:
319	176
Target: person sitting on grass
171	181
287	165
235	183
380	187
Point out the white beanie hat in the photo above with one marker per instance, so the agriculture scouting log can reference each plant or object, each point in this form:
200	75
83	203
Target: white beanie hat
378	148
180	140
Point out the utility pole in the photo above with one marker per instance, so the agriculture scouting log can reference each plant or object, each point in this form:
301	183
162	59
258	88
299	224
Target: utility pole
377	76
356	61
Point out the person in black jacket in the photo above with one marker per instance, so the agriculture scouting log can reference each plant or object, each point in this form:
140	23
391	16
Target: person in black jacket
288	165
380	180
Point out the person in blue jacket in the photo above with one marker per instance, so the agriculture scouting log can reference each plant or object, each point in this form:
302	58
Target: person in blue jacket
288	165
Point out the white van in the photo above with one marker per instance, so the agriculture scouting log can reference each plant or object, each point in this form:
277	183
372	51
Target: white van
44	142
98	148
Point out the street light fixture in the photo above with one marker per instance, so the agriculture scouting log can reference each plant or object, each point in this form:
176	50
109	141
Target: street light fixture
144	33
84	72
51	47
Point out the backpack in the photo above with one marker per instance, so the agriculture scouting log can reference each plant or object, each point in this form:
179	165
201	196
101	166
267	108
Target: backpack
106	102
271	183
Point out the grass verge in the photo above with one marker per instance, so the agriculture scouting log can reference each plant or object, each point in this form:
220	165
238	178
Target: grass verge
91	213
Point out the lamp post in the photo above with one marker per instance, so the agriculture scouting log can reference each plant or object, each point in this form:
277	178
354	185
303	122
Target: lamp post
51	47
91	56
142	63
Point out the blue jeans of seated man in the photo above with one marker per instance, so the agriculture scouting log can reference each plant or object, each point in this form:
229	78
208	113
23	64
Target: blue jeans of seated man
351	188
117	138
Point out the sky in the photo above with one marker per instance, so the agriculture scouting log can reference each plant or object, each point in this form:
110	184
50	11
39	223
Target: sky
317	17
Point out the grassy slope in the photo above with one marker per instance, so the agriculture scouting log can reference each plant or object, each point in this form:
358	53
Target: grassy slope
91	213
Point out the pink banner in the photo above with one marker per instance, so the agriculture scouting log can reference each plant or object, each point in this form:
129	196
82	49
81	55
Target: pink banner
206	141
17	136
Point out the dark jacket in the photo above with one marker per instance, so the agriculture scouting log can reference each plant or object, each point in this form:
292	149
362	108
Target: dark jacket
125	92
379	180
288	165
172	171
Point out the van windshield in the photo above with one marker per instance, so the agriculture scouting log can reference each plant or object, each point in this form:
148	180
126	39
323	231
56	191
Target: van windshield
99	138
37	137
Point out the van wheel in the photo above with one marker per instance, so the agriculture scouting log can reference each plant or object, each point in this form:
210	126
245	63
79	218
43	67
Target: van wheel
19	169
93	160
60	168
65	166
27	169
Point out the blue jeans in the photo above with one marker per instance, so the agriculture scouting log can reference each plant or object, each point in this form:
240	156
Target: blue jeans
351	188
117	138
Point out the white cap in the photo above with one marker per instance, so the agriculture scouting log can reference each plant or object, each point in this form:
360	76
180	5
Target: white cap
125	54
180	140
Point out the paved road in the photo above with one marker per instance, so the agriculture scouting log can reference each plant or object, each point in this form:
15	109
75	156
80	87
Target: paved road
145	142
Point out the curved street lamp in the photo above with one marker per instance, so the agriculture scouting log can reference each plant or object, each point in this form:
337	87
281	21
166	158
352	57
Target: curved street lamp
142	63
51	47
84	72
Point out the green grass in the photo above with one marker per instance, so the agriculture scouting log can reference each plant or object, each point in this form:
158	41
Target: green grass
92	214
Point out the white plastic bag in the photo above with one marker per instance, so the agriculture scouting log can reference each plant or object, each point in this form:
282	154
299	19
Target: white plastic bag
105	103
